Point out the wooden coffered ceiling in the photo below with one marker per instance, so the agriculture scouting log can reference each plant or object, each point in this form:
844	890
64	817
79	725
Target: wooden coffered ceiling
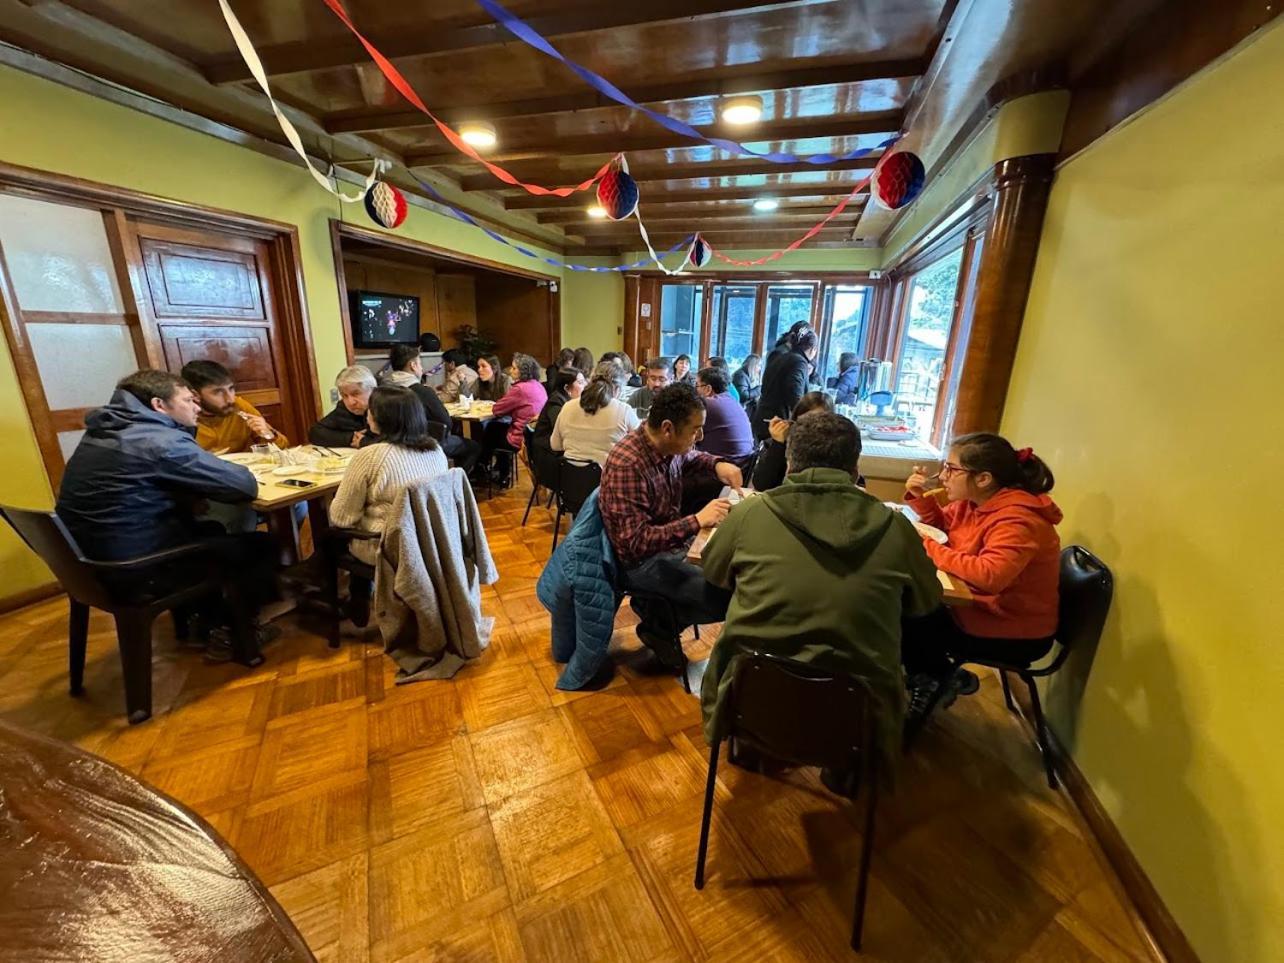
833	75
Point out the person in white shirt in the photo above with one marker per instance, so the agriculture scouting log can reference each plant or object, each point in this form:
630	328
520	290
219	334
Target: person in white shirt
590	425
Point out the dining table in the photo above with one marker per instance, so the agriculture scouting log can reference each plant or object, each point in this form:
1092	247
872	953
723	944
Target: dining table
954	590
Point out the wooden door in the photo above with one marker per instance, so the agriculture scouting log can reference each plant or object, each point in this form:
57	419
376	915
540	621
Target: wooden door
210	297
641	317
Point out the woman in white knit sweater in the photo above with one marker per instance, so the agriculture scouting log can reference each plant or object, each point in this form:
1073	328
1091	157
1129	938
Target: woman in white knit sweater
406	455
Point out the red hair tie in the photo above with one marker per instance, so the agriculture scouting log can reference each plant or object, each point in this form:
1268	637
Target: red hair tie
1025	454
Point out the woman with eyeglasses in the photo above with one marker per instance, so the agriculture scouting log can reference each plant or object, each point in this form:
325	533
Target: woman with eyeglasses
1003	543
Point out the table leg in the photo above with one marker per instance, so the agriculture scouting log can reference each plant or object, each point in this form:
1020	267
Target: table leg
280	523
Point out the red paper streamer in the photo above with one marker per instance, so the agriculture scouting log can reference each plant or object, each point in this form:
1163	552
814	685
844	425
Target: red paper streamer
403	87
838	209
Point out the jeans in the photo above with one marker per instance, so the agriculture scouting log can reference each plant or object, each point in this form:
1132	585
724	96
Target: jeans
669	574
926	643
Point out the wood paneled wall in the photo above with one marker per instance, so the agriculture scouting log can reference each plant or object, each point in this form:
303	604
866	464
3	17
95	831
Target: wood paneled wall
446	301
520	314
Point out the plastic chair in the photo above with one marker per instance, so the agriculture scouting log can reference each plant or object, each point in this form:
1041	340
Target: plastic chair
336	556
88	585
1086	589
543	463
796	713
576	481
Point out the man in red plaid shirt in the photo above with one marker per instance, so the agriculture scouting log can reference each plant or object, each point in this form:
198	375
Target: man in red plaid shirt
640	501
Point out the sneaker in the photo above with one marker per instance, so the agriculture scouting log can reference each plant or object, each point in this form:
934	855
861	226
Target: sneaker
962	682
219	646
922	689
841	782
664	648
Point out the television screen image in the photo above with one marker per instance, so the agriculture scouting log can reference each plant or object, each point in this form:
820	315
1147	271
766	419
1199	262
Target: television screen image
380	320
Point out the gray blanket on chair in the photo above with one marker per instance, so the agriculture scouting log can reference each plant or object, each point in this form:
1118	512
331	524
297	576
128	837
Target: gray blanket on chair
433	560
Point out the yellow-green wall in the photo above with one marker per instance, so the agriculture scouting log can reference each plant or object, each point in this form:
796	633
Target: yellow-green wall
593	307
1148	376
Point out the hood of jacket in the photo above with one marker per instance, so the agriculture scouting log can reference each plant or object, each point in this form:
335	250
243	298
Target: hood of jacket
826	505
1013	500
125	411
400	379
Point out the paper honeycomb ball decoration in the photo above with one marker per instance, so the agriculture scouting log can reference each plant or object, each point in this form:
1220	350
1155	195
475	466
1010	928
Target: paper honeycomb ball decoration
386	205
898	179
617	192
700	252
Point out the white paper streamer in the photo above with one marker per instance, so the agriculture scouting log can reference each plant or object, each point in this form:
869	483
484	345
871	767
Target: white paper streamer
251	58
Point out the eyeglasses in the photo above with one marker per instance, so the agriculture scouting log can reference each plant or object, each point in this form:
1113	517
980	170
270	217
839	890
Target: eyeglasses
947	469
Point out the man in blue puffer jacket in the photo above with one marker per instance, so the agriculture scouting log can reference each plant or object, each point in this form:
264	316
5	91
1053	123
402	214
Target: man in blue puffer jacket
578	589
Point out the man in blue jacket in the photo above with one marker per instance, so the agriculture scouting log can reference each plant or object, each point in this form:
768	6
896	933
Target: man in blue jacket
134	484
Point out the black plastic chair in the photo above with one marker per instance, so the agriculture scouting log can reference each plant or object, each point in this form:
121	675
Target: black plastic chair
336	556
88	585
543	463
437	431
1086	589
576	481
672	643
798	714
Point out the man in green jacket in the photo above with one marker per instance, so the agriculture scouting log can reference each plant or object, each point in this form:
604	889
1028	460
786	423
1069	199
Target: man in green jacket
821	572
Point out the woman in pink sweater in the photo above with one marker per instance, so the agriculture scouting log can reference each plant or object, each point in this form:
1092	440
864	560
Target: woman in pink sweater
520	405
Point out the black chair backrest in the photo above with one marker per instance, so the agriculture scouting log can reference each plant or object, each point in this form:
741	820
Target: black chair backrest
1086	591
576	482
437	431
46	535
543	461
800	714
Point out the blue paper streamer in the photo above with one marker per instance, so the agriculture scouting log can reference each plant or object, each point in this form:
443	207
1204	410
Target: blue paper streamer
525	33
495	236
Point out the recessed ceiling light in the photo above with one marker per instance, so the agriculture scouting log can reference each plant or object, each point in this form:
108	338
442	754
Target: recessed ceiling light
766	204
478	134
742	110
597	212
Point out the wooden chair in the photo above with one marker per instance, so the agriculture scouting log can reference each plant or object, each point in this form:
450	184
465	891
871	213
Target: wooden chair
90	584
798	714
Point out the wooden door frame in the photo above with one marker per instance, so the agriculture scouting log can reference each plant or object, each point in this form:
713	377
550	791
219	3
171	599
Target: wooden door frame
118	203
342	229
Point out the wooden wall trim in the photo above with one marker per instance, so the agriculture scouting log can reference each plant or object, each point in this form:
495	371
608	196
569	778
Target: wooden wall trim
1150	916
20	600
1152	58
368	236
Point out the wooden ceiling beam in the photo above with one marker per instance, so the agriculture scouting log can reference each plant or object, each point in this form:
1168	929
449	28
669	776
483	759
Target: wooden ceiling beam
644	174
527	202
704	211
880	122
432	40
722	82
747	221
737	238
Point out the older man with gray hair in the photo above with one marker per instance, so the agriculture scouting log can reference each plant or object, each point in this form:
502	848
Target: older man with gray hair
346	426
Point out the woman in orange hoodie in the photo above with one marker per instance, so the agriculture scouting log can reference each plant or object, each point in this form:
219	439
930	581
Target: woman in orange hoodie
1003	543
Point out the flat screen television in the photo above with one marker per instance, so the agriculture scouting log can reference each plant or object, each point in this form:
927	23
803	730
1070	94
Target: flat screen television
382	320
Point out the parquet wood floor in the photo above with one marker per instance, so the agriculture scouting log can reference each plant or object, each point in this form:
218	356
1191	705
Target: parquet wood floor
494	818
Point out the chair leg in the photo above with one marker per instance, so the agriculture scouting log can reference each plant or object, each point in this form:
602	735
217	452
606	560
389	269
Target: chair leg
1007	690
551	495
78	634
866	857
557	525
529	503
1041	731
134	637
696	628
708	814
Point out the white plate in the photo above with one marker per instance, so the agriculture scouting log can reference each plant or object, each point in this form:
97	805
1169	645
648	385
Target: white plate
290	470
241	458
930	531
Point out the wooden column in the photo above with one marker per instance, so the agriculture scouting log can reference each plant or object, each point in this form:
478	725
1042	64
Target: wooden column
1017	204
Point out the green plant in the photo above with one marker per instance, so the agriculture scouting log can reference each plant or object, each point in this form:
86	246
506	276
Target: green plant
473	343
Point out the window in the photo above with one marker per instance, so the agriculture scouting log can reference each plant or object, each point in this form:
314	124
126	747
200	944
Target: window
924	340
786	304
734	306
845	308
681	310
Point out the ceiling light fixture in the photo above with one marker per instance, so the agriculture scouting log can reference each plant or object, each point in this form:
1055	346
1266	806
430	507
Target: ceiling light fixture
766	204
742	110
597	212
478	134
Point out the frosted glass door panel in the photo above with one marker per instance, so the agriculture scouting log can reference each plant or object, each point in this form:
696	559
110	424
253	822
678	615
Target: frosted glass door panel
58	257
68	440
80	363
